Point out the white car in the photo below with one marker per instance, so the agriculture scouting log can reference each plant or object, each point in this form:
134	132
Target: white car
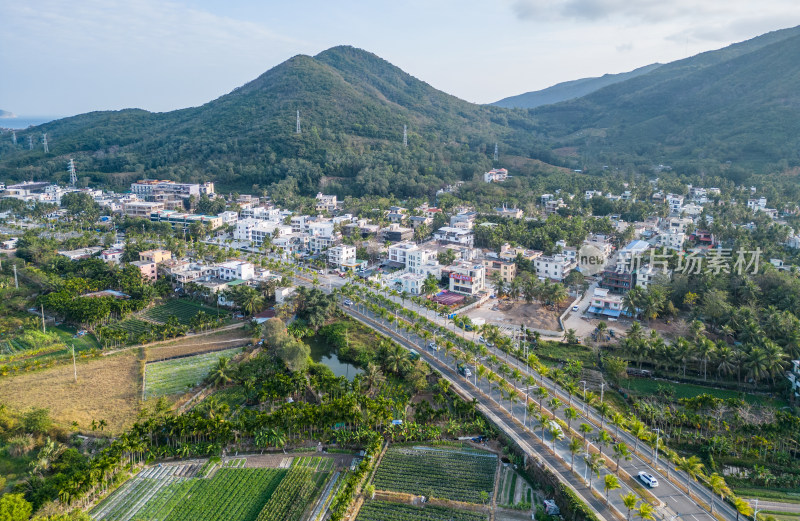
433	347
648	479
348	302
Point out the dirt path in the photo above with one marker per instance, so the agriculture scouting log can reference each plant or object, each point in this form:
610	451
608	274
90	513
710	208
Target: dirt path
172	340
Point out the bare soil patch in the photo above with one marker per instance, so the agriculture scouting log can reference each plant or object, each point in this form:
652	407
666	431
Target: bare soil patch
107	389
533	315
198	344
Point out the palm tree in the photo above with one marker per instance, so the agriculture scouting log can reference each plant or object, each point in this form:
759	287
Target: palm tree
629	500
570	414
692	467
602	439
718	486
645	511
556	434
221	374
610	482
575	446
585	429
742	507
595	462
621	452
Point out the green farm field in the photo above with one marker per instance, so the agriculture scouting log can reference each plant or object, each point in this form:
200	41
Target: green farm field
178	375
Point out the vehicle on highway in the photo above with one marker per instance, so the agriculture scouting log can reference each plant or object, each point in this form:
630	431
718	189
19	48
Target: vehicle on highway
648	479
433	347
348	302
413	354
464	371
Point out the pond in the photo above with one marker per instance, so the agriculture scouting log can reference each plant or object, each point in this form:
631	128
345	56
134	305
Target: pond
322	352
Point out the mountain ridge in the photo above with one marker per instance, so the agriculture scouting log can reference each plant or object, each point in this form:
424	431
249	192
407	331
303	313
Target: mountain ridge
736	104
568	90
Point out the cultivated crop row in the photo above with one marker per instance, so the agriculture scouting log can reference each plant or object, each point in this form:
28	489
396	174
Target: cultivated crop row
175	376
455	475
181	309
292	496
385	511
231	494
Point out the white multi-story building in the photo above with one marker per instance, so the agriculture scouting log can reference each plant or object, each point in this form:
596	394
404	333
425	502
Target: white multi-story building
605	304
233	270
319	243
467	278
229	217
647	274
342	255
326	203
554	267
411	283
672	240
675	202
496	175
757	204
448	234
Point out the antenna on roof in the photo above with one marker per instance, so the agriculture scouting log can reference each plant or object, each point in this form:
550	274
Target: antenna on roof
298	123
73	179
496	155
405	136
30	142
44	142
14	137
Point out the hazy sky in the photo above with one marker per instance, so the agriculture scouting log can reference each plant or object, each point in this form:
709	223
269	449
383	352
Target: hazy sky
66	57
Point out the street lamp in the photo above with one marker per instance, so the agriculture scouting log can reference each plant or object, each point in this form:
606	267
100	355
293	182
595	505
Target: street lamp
655	461
585	409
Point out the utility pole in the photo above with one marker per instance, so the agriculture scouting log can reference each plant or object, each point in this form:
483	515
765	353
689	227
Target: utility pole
74	365
16	282
43	328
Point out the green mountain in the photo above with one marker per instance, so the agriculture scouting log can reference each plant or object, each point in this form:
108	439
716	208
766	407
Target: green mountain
735	108
353	107
740	104
569	89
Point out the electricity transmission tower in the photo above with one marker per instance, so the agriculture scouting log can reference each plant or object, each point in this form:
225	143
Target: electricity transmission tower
405	136
297	131
44	142
73	178
496	155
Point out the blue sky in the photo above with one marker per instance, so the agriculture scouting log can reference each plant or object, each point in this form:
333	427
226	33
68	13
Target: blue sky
64	58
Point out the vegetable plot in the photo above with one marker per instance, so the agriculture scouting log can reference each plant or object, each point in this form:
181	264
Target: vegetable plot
447	474
175	376
293	495
385	511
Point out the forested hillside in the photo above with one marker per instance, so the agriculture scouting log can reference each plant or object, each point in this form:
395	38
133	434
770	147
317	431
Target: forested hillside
732	112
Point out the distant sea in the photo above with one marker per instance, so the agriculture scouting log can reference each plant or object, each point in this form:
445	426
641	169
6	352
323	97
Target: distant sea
23	122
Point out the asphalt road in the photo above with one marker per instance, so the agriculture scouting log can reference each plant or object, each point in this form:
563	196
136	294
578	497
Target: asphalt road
675	501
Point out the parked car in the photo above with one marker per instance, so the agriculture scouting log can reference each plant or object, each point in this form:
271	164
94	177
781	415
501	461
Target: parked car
575	309
648	479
